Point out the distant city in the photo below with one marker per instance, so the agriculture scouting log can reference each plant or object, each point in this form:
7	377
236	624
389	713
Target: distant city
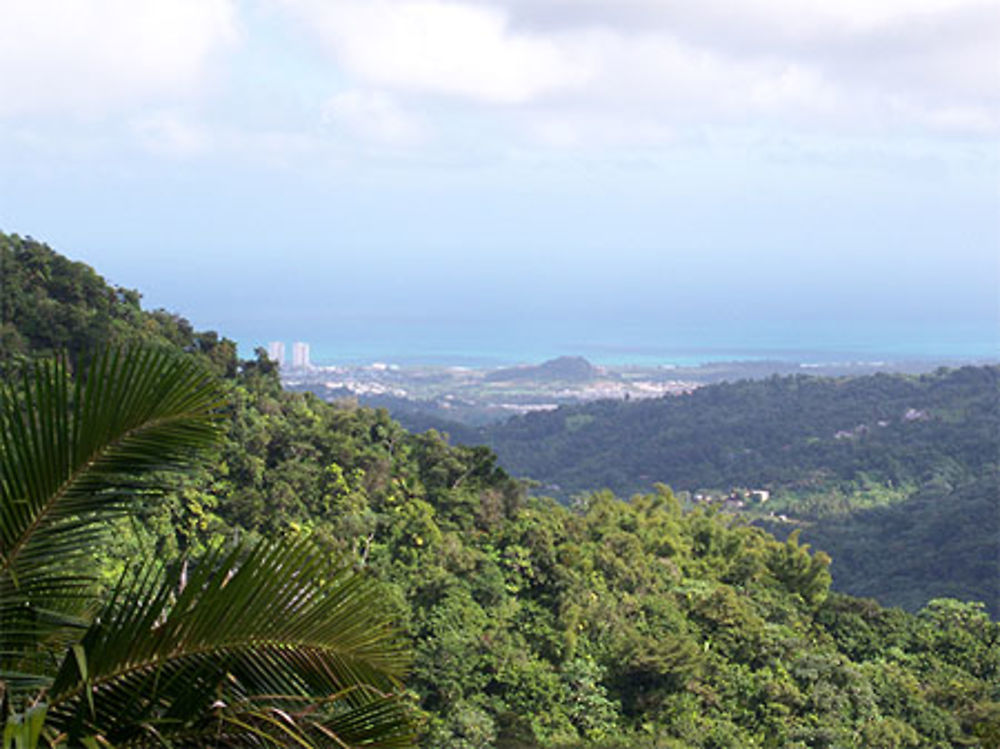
300	354
475	396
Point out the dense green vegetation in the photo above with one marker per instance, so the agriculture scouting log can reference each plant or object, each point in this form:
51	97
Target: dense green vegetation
50	304
940	541
604	623
795	433
896	476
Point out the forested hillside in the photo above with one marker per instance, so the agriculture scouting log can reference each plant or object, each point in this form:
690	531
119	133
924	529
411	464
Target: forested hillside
50	304
894	475
605	623
796	433
938	541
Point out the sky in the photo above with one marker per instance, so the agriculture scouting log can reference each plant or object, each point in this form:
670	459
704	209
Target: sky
561	172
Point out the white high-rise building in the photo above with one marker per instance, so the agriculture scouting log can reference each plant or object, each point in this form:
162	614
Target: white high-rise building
300	355
276	352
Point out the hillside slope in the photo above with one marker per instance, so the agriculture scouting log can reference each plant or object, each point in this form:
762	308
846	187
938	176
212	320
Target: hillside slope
895	475
799	432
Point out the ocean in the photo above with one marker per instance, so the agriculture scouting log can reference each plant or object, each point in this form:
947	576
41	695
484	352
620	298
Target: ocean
407	341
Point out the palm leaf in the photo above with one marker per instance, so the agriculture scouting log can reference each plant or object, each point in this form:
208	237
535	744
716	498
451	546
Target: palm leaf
268	645
275	643
73	454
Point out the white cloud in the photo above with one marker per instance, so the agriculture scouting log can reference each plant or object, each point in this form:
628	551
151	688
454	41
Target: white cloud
773	22
684	82
373	115
497	74
170	134
574	130
852	64
444	48
90	57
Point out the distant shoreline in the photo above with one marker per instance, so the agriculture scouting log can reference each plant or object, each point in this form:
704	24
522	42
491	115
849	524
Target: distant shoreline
680	362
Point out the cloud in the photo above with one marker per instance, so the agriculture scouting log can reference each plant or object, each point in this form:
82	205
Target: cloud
493	76
935	54
441	48
373	115
91	57
855	64
169	133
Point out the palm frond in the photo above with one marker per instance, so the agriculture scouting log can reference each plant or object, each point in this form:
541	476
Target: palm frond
74	452
270	645
271	641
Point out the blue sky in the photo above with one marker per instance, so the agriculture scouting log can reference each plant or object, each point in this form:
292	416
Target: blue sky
276	166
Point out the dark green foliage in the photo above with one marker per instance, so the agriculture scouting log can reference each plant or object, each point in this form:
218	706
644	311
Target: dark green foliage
939	542
794	433
895	476
50	305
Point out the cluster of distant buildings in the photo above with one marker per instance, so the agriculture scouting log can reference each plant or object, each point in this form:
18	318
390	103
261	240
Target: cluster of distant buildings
300	354
737	499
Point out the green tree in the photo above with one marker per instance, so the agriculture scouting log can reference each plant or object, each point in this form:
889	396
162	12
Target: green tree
271	643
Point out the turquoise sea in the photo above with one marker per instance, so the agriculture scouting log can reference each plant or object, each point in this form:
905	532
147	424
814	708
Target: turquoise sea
643	342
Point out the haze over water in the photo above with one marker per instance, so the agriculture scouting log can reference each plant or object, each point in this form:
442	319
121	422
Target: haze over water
607	342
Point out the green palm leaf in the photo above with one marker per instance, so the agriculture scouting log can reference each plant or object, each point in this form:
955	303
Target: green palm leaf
273	643
268	645
73	454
